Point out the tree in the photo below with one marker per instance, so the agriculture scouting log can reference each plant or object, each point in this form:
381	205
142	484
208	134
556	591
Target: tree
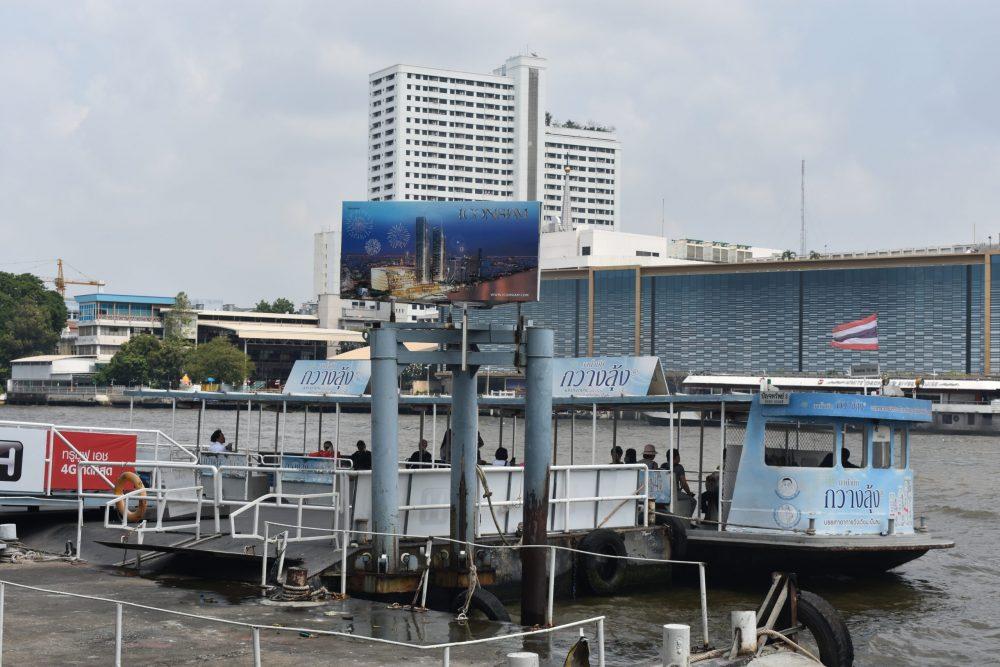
180	319
788	254
220	360
282	305
31	318
145	360
548	118
279	305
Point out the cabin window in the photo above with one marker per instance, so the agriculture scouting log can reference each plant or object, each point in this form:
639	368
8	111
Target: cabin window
882	437
799	445
900	448
855	453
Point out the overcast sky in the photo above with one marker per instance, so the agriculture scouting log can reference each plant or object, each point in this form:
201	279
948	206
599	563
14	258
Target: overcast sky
198	146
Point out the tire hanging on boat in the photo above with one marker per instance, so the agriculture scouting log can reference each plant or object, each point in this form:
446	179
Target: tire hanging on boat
677	535
602	576
836	649
484	602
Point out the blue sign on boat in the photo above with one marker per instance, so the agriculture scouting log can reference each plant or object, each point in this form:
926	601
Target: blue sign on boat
329	376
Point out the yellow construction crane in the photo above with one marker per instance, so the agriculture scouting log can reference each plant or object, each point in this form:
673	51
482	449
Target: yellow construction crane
61	281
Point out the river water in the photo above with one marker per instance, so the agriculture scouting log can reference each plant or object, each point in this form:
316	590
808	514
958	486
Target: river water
942	609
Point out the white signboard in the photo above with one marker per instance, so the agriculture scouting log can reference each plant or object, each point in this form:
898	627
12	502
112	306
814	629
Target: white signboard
329	376
607	376
774	397
22	459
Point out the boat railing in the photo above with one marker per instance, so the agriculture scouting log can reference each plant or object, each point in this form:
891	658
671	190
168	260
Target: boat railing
297	502
161	498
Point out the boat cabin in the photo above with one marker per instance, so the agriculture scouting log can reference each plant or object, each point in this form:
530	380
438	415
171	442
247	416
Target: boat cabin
821	463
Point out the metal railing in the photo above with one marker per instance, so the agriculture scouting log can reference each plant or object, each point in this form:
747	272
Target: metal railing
255	628
430	539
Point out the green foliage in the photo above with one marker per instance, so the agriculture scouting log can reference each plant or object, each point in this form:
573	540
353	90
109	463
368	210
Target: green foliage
178	322
31	318
145	360
219	359
279	305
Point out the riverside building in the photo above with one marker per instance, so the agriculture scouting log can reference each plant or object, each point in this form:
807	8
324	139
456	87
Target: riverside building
445	135
936	310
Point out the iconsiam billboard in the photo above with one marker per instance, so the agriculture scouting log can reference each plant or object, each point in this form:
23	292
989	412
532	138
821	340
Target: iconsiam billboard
483	252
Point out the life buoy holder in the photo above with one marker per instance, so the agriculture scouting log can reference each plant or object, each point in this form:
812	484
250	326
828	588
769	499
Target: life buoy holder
129	477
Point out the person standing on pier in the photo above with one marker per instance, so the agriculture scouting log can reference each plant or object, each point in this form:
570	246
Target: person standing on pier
362	458
421	456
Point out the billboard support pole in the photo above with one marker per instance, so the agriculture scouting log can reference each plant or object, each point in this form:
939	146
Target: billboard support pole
464	457
385	447
537	455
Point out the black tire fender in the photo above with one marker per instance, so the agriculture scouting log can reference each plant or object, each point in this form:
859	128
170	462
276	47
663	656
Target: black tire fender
602	576
836	649
484	602
678	536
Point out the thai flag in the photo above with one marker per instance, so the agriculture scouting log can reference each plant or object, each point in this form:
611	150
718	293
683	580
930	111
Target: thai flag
857	335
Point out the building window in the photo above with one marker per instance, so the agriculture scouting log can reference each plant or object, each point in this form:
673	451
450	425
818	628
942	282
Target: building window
585	250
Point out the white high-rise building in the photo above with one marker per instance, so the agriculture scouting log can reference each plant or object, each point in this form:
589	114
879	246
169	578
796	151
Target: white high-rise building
444	135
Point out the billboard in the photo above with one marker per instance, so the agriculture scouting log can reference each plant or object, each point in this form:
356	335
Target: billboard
22	459
97	448
482	252
328	377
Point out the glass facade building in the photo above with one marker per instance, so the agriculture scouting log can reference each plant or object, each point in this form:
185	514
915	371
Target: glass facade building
934	314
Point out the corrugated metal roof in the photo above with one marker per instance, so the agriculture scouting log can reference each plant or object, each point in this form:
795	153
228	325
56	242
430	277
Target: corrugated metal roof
124	298
42	358
366	352
272	331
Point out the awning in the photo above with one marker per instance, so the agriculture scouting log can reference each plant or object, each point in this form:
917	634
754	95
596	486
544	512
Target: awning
268	331
366	352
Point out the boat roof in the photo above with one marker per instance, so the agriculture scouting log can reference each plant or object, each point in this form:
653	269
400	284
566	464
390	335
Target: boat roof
680	402
851	406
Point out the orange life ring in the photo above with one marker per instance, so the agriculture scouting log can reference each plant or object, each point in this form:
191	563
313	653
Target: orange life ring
140	511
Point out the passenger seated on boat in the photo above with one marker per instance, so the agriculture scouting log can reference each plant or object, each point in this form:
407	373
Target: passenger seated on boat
218	442
630	456
616	455
845	456
420	456
649	457
361	459
680	477
325	452
500	456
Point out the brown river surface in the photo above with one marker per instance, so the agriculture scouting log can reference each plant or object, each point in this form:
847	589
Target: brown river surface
942	609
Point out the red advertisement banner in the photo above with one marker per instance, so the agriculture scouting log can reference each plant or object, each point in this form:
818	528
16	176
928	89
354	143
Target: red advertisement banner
95	447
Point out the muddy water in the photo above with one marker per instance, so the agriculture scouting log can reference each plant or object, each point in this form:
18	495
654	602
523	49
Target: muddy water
943	608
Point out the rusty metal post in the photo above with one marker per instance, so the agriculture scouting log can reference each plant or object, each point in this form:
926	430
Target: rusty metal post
464	456
385	447
537	454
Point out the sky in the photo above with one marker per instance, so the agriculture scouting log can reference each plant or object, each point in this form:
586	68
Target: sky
197	146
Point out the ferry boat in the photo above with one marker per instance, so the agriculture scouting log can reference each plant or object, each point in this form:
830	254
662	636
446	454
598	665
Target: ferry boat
818	482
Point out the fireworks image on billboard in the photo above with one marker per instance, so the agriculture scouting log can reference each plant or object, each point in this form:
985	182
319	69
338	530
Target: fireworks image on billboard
440	252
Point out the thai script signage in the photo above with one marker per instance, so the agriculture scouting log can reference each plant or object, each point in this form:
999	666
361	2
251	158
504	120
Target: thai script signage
854	406
774	397
440	252
348	377
607	376
100	448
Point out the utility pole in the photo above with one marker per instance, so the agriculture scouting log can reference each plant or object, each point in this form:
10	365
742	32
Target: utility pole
802	238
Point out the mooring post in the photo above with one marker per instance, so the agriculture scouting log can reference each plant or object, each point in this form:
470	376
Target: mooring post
464	456
537	454
385	447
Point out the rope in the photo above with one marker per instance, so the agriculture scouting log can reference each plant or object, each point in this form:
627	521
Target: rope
796	647
488	494
463	615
